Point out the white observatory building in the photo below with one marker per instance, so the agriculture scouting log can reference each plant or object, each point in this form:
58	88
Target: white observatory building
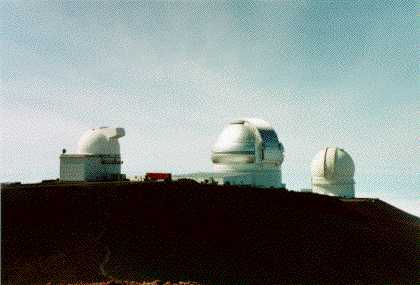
248	152
332	173
98	157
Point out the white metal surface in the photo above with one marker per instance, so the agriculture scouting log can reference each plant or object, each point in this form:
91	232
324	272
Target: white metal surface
98	157
101	140
332	173
249	147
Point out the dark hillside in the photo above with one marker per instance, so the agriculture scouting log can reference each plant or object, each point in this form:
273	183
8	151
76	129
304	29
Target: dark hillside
210	234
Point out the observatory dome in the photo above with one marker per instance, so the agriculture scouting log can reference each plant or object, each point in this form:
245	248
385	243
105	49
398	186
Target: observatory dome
332	172
332	163
250	146
248	141
101	140
236	143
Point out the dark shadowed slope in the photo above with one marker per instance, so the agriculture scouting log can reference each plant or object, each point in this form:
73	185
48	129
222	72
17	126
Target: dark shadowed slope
205	233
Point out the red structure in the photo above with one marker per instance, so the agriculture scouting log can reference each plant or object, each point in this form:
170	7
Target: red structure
156	176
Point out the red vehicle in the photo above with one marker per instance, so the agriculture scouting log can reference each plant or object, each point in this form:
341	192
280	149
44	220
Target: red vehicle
157	176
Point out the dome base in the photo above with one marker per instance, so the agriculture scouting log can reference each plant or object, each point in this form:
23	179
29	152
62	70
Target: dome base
338	190
90	167
251	175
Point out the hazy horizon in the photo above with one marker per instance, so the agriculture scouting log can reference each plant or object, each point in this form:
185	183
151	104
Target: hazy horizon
174	74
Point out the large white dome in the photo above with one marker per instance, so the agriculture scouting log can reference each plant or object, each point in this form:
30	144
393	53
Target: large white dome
332	172
250	146
248	141
101	140
236	143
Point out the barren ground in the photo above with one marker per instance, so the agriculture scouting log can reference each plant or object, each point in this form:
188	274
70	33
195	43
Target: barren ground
97	232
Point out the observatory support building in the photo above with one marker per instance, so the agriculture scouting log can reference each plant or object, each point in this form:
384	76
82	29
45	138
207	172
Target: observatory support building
97	159
248	152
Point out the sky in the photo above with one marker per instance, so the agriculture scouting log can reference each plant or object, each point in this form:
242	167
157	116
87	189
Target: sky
173	74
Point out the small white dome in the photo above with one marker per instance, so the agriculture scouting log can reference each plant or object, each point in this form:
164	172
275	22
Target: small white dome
332	173
332	163
101	140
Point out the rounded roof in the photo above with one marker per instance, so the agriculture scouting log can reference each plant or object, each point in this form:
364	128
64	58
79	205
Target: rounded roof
258	123
332	162
242	140
235	137
101	140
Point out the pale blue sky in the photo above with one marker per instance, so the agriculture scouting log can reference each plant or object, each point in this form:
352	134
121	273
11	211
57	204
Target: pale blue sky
173	74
